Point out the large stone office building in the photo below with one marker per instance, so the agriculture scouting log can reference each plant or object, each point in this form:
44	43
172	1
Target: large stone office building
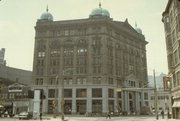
91	59
171	20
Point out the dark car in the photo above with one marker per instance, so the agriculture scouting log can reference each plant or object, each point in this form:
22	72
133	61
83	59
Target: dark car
25	115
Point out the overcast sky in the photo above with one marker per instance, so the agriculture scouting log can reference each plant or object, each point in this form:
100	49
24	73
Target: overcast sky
18	18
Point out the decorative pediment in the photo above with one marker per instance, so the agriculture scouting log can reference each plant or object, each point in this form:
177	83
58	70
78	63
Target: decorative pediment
16	85
131	77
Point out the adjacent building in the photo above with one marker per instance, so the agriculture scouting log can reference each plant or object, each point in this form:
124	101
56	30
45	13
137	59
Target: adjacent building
163	101
171	20
2	54
14	96
15	74
81	63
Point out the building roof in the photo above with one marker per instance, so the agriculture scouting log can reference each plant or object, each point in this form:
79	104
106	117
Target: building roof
99	12
46	16
167	7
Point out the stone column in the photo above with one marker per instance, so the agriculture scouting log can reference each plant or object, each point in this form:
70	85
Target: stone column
73	100
59	99
115	101
137	102
45	102
126	101
89	100
142	98
105	100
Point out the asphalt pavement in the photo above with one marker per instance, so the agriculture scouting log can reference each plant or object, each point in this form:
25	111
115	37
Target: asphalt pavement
122	118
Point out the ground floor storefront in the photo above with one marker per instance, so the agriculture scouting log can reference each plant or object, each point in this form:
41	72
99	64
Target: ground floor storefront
92	101
176	105
176	112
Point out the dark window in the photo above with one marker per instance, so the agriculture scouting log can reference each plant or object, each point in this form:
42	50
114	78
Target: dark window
51	93
119	95
97	92
81	93
67	93
110	93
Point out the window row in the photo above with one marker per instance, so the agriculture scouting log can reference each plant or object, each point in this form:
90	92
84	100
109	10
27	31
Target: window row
80	93
78	80
13	95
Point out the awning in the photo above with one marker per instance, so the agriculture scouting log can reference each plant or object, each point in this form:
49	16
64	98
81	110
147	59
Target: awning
176	104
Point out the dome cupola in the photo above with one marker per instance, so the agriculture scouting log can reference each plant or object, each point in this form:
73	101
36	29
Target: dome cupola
99	12
138	30
46	16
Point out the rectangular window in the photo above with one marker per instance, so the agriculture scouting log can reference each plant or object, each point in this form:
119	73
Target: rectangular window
66	32
81	70
119	94
68	52
82	51
96	92
68	81
96	106
41	54
81	80
110	81
81	93
96	80
39	81
110	93
96	69
146	96
96	41
53	81
96	51
51	93
55	53
67	93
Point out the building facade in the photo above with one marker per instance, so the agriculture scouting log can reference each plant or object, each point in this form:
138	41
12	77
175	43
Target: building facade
81	63
171	20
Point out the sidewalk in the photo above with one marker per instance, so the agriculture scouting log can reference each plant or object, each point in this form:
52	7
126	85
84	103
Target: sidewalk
125	118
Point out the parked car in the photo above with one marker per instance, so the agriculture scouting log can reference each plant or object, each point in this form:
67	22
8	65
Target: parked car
25	115
6	114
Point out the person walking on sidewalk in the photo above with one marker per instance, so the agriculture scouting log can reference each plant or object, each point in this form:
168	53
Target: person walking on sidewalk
162	113
40	115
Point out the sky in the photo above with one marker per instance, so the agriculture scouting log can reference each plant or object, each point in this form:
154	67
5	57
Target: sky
18	18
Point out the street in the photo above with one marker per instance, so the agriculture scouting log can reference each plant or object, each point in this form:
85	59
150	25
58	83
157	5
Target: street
123	118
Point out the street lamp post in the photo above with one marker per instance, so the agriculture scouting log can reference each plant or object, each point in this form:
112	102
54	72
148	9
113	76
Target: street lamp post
62	99
55	98
155	96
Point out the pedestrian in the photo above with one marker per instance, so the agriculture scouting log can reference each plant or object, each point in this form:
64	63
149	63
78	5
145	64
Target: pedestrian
108	116
40	116
162	113
168	116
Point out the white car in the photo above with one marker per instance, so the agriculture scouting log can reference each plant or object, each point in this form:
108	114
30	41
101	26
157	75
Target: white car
24	115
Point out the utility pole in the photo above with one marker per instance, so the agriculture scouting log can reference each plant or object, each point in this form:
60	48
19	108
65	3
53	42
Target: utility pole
62	100
56	98
155	96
